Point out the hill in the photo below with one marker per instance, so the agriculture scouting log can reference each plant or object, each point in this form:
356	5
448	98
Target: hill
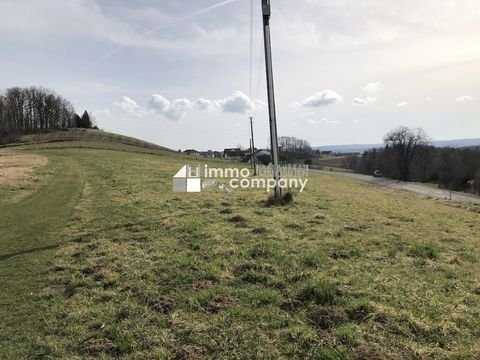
84	138
100	259
459	143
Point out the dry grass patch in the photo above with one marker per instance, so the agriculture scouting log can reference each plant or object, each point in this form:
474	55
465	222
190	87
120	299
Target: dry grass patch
16	168
17	177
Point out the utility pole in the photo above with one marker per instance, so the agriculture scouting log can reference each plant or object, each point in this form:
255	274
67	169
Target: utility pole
253	148
271	96
251	154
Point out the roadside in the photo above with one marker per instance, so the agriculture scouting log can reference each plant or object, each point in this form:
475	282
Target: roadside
422	189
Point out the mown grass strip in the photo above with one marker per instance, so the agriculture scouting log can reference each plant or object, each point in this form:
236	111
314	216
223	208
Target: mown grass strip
30	231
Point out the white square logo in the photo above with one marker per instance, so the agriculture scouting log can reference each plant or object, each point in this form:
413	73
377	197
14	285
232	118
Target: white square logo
187	181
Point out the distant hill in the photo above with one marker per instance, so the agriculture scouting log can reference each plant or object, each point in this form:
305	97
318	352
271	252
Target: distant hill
459	143
86	138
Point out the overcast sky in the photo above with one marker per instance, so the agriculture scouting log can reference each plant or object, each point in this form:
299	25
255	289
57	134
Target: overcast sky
346	71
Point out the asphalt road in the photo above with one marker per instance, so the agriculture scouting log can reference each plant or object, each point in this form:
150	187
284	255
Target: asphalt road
422	189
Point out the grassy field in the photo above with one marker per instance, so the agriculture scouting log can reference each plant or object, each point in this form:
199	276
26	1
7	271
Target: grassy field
100	259
334	161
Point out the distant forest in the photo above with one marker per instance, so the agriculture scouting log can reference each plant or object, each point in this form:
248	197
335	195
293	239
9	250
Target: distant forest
292	149
36	109
408	156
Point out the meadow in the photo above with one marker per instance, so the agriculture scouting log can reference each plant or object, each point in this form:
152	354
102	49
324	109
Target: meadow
99	258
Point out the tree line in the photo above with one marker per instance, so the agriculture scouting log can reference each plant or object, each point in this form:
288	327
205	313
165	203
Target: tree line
409	156
36	109
291	148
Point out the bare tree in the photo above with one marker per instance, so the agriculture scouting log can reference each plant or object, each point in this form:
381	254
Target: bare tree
292	148
404	142
351	162
422	162
29	110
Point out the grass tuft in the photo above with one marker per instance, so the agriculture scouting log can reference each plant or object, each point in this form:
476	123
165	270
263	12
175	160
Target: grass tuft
347	335
286	199
425	251
320	292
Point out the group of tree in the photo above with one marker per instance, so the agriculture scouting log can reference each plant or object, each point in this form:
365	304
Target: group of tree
35	109
291	149
409	156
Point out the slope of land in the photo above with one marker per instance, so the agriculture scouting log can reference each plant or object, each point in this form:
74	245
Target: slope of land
87	138
132	270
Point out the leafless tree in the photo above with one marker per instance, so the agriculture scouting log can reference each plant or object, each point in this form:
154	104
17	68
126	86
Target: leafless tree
404	143
29	110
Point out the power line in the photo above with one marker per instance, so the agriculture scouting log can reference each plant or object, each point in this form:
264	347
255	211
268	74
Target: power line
251	50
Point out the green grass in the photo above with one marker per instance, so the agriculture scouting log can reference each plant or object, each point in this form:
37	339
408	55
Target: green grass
29	235
87	138
346	271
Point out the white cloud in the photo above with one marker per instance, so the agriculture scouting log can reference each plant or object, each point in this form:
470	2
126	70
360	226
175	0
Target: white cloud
323	98
364	101
373	87
204	104
237	103
176	109
402	104
158	103
465	98
322	121
173	110
129	106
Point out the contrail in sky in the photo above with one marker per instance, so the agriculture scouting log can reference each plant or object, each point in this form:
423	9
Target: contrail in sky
161	27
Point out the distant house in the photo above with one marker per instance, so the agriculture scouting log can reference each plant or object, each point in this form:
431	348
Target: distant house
233	154
191	152
327	152
217	154
207	154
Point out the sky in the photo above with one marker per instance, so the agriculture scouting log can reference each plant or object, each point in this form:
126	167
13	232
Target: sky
180	73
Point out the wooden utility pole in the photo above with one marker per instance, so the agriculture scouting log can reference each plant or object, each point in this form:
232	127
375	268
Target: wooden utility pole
252	152
271	96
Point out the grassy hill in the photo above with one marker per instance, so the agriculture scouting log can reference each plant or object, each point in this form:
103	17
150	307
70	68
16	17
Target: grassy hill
100	259
87	138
